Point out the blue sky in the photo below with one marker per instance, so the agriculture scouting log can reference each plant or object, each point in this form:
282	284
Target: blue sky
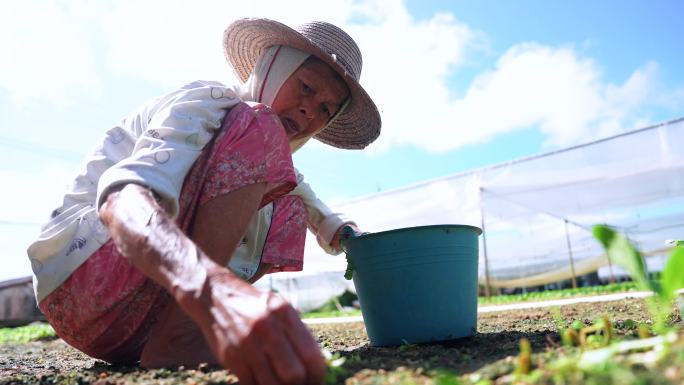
460	84
620	37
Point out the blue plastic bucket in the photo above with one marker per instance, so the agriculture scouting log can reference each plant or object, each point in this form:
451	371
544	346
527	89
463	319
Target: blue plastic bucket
416	284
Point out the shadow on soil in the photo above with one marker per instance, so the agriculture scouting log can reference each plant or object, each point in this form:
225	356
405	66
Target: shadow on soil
459	356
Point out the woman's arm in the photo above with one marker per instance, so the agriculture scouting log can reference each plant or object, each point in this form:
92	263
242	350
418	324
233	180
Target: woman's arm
256	334
322	221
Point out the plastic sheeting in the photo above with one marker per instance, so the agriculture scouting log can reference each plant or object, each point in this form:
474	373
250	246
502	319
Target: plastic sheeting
18	303
537	212
306	291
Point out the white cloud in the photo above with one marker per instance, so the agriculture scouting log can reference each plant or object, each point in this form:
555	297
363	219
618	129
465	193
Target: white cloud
177	41
69	49
36	195
171	42
24	209
47	52
531	85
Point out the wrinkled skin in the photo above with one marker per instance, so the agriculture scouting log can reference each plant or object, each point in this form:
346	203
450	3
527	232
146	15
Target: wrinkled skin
309	98
256	335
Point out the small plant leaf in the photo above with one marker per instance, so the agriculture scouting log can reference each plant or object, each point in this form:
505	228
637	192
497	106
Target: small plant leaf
569	337
349	272
523	364
621	252
672	278
334	371
347	233
446	378
577	324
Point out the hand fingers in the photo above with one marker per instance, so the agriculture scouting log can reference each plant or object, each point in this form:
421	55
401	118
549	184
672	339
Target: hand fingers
244	373
277	349
228	358
286	362
306	347
273	342
259	364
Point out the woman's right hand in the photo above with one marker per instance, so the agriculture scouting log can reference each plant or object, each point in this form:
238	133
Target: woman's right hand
258	335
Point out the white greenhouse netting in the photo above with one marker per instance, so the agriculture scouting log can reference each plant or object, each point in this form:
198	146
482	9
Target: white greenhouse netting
537	212
306	291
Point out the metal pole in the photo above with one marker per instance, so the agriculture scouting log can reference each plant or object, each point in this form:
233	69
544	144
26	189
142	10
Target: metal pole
610	269
484	246
572	261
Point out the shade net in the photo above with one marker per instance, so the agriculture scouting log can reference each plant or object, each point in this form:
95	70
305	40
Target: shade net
537	213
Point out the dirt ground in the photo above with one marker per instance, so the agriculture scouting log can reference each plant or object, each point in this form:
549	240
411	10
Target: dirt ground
489	353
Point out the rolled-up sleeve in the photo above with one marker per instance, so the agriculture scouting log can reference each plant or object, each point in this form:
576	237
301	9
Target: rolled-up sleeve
322	221
169	137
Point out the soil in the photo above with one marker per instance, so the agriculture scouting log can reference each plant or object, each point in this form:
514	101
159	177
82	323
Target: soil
489	353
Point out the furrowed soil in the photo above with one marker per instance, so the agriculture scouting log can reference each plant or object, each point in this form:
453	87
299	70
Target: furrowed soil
489	353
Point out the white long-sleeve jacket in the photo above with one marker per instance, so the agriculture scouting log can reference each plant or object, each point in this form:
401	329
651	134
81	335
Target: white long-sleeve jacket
155	146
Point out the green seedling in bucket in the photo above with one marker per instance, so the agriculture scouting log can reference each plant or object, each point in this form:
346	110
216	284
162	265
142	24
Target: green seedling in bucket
349	272
348	233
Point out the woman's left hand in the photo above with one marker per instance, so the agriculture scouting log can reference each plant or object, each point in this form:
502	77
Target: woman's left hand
335	243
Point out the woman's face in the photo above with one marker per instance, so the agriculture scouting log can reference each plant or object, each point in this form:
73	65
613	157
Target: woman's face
309	98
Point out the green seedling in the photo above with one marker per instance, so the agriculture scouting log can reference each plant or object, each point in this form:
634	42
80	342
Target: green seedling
405	345
624	254
446	378
347	233
621	252
334	371
577	325
524	361
649	349
608	330
644	331
598	334
33	332
349	272
672	277
569	337
558	318
600	352
630	324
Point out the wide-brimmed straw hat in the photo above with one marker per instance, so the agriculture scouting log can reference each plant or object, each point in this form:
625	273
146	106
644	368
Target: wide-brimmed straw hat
359	124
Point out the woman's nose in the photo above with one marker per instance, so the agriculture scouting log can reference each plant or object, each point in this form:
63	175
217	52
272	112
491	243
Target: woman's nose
306	110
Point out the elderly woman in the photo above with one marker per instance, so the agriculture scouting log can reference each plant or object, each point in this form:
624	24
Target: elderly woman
193	196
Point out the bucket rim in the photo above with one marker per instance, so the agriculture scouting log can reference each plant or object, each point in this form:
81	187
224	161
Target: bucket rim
379	233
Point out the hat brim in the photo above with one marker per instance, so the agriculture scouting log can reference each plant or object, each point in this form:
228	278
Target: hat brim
245	40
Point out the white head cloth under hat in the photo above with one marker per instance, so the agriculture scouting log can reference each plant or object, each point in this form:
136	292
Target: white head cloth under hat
272	69
275	65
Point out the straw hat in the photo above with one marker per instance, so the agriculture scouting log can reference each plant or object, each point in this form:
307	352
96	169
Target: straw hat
359	124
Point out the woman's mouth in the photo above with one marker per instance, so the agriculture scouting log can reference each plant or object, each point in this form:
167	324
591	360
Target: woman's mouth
291	127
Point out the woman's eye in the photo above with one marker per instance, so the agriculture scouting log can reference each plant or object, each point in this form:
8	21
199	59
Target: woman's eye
326	111
306	88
